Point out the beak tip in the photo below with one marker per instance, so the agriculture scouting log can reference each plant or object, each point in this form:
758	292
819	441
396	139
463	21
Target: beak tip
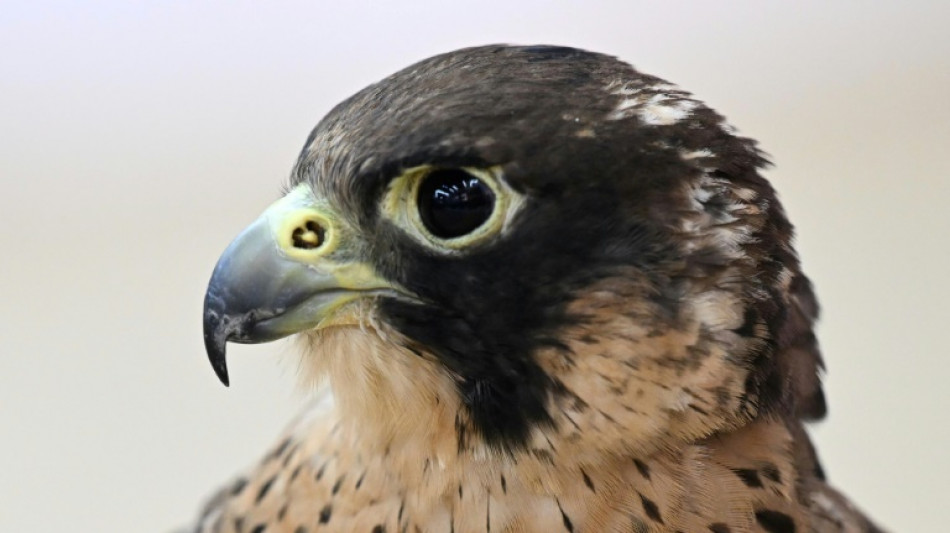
216	347
219	362
222	374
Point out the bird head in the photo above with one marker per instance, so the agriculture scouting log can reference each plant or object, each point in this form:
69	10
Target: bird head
529	251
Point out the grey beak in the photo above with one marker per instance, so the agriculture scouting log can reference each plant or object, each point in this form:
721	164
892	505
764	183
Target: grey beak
286	273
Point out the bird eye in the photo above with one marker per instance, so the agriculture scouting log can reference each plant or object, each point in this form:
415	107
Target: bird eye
450	209
453	202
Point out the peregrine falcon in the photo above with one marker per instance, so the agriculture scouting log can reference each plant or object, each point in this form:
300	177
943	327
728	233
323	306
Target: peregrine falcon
540	291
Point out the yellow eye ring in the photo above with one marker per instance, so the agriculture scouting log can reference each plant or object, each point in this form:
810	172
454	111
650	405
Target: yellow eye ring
401	204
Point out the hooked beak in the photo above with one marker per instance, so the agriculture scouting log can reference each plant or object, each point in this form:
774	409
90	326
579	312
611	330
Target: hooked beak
289	271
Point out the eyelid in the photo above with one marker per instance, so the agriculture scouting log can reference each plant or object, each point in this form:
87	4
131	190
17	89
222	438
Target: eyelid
399	205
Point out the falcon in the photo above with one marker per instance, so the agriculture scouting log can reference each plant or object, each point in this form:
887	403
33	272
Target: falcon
538	291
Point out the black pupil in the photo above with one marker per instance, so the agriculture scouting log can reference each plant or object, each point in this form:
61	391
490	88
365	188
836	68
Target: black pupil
453	202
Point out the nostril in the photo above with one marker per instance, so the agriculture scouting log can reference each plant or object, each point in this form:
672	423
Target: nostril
308	236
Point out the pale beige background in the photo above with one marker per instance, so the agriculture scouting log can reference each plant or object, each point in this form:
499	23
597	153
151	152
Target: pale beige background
137	139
